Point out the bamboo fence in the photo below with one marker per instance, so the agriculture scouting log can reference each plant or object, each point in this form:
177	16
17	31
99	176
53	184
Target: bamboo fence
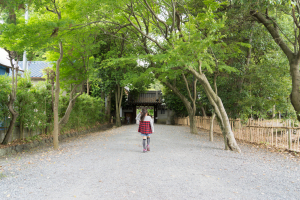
279	133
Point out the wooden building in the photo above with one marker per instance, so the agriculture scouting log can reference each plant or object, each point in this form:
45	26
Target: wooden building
150	100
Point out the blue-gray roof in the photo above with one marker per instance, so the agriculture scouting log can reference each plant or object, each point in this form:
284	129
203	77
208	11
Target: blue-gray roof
36	67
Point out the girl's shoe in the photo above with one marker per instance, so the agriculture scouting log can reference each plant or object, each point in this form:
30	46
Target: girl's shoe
148	148
144	150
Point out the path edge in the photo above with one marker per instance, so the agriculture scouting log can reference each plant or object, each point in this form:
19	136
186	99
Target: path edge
27	146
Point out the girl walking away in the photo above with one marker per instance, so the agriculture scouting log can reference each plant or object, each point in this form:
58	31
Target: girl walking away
146	128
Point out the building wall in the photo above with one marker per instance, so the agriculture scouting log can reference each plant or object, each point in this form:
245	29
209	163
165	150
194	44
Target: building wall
3	70
124	111
164	116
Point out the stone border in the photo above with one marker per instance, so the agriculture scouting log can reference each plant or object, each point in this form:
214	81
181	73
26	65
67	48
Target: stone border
27	146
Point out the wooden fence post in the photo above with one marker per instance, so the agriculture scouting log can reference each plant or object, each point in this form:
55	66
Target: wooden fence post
272	132
290	134
256	131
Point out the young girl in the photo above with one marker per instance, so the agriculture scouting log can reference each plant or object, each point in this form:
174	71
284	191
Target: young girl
146	128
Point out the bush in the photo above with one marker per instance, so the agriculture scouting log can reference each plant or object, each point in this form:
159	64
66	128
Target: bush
5	85
87	112
34	105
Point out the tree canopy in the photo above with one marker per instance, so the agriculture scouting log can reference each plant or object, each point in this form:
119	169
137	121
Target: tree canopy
235	58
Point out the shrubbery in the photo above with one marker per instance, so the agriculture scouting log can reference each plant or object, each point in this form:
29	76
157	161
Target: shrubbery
34	105
86	113
5	85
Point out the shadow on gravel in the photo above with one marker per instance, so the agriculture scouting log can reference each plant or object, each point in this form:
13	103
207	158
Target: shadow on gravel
209	147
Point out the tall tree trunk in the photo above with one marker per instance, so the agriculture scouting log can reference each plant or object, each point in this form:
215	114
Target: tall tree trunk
56	100
193	123
192	112
119	96
216	102
223	132
12	99
295	94
203	111
87	87
211	131
118	118
187	104
14	116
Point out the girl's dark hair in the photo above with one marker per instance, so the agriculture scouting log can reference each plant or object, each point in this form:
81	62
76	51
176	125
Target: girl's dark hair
144	112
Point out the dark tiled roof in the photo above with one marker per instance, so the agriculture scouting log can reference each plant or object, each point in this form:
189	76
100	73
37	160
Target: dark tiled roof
36	67
151	97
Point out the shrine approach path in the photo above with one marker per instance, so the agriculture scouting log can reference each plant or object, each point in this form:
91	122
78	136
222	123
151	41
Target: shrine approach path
180	165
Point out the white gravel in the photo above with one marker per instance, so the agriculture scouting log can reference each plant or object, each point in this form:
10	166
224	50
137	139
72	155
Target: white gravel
180	165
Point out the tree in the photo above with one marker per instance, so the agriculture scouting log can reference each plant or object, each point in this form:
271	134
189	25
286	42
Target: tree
188	99
183	43
285	31
112	75
174	103
12	96
20	31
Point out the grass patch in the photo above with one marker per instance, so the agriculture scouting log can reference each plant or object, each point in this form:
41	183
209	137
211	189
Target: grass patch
2	175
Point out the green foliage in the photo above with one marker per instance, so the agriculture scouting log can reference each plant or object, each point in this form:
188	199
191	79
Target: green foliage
33	103
265	80
156	86
268	84
175	104
5	85
95	49
86	113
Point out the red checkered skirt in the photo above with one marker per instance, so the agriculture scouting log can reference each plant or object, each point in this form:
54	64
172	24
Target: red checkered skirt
145	127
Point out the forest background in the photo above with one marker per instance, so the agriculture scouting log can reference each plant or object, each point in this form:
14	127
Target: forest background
231	59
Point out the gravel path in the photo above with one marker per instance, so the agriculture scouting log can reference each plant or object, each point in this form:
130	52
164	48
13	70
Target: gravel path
111	165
